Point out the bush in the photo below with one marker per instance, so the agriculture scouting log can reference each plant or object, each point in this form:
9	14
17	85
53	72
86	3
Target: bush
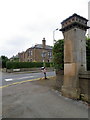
47	64
4	59
58	55
16	65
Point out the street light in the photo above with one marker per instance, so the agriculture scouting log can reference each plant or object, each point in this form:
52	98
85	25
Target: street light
54	35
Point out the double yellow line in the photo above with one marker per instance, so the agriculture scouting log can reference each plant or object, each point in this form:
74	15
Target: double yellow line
23	82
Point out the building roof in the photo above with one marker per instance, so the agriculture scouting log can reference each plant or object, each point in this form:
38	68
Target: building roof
78	25
41	46
70	23
74	16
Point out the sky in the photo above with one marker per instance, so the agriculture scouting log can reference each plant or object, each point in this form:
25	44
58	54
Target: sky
24	23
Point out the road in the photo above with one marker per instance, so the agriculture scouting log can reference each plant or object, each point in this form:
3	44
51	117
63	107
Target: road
37	100
9	78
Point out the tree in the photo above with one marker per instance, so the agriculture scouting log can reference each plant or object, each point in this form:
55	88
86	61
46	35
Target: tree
4	59
58	55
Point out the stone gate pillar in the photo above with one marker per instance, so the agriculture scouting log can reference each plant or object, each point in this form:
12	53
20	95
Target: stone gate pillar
74	29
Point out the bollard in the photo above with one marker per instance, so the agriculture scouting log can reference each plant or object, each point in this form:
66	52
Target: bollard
44	71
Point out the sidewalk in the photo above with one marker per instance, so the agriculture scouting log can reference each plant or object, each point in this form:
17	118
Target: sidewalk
38	99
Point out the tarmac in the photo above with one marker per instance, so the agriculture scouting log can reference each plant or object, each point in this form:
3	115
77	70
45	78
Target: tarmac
39	99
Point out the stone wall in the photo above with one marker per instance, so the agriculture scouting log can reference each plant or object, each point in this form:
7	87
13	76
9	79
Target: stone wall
26	69
84	84
59	79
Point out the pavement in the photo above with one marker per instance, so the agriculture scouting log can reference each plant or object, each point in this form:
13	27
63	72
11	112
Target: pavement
39	99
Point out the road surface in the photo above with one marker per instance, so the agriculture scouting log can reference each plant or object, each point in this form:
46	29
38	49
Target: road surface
34	100
9	78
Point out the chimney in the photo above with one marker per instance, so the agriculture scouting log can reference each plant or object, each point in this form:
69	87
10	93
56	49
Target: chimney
44	43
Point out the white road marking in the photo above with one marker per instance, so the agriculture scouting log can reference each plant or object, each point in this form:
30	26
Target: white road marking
11	79
25	77
8	79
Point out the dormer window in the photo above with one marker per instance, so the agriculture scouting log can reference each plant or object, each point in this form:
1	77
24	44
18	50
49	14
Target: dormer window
79	20
85	22
76	19
73	19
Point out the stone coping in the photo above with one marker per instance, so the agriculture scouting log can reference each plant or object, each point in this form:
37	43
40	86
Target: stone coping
85	74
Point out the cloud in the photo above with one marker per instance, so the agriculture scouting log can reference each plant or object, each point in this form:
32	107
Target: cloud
26	22
13	46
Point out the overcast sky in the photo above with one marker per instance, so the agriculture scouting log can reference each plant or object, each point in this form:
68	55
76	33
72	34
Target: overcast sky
24	23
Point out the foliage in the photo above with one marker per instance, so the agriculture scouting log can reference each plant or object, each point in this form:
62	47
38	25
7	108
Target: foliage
15	59
4	59
58	55
16	65
48	64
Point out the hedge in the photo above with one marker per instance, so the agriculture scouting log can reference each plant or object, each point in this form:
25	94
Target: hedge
16	65
47	64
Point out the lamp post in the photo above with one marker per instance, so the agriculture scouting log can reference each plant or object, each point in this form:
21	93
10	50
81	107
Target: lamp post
54	35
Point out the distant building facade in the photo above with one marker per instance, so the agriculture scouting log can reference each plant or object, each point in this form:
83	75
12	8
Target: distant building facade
14	58
37	53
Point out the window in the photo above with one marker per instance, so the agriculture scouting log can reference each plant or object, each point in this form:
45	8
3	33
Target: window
48	61
49	54
30	53
76	19
79	20
31	60
85	22
73	19
43	54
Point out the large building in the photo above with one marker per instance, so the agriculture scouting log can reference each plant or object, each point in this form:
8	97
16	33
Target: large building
37	53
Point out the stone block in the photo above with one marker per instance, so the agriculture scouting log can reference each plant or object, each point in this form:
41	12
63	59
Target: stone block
73	93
